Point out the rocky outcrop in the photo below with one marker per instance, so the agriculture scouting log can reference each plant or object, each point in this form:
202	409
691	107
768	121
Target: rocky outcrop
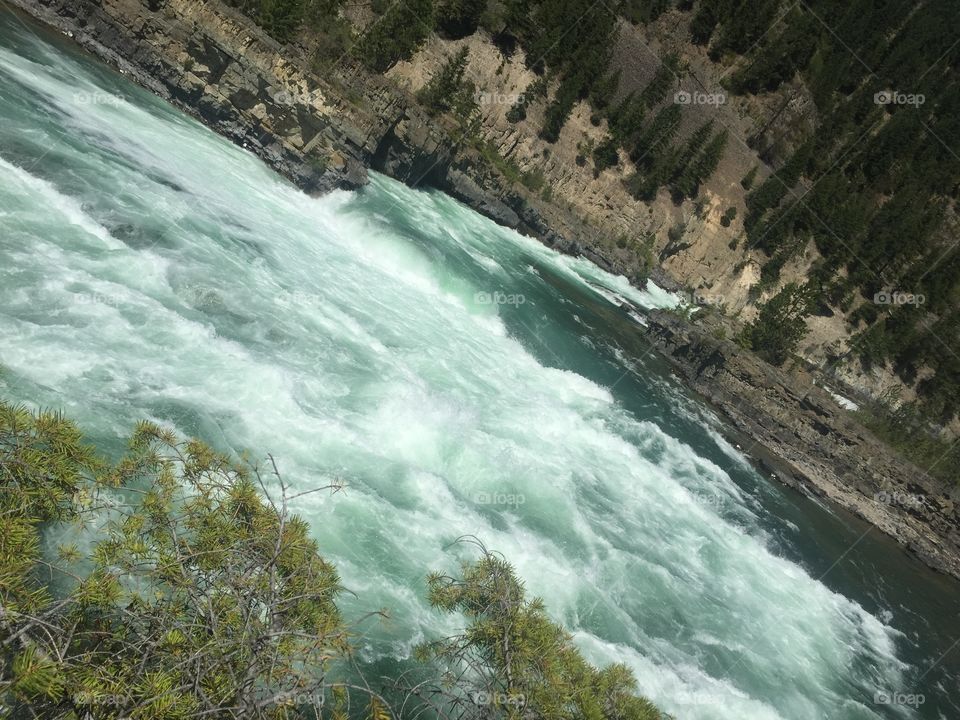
211	63
803	438
414	150
215	64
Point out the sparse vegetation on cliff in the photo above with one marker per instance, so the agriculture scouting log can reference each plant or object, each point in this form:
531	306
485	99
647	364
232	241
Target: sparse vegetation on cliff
447	90
874	179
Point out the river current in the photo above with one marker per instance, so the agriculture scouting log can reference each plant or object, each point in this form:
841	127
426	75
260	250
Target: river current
459	379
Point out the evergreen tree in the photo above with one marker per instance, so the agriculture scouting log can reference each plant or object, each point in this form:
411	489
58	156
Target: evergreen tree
605	155
781	324
775	187
743	23
578	59
777	62
513	661
704	21
559	109
644	185
664	79
644	11
283	18
459	18
445	89
198	598
603	91
706	162
535	91
684	179
657	136
627	118
396	35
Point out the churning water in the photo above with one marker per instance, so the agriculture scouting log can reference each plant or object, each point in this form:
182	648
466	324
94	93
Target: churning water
460	379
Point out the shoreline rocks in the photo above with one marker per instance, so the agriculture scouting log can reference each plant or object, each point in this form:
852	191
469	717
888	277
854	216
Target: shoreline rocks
806	440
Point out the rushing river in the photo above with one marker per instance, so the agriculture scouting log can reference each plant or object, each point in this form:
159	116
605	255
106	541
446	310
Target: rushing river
460	379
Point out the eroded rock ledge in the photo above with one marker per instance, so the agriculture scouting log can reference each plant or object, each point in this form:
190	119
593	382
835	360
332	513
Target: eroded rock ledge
808	440
215	64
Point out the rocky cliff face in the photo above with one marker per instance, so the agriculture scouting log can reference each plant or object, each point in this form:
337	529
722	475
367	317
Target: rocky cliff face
215	64
689	241
803	438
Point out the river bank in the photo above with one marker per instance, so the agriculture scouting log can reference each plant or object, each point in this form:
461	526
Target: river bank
214	64
798	434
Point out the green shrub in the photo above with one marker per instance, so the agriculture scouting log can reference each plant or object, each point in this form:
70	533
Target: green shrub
728	216
512	660
202	595
193	583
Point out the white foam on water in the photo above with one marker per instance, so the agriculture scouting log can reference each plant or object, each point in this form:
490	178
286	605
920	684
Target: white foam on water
27	191
687	691
325	332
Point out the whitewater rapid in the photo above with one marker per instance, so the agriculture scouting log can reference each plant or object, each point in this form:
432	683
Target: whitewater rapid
459	378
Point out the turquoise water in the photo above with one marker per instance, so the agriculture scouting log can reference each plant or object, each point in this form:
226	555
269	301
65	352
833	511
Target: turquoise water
460	379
